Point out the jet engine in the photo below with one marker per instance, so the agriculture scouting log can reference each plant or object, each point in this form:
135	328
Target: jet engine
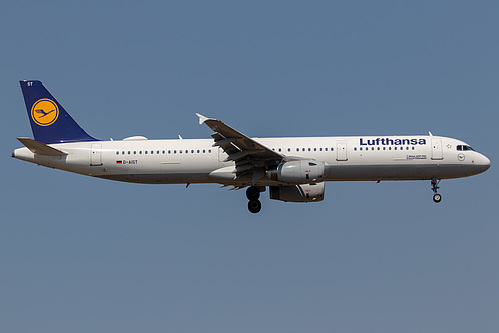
301	172
298	193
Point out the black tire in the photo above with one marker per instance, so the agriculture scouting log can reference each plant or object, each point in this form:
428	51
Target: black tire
254	206
437	198
253	193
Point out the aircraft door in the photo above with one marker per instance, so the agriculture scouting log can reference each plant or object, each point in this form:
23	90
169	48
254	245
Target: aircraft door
96	155
341	151
436	149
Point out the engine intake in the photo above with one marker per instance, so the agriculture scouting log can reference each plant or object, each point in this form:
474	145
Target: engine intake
298	193
298	172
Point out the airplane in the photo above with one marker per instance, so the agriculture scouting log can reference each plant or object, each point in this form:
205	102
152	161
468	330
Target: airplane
295	169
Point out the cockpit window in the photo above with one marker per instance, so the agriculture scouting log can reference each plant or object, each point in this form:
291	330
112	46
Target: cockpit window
464	148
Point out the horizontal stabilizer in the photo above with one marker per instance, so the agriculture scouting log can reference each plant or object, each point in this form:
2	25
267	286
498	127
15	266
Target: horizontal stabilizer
40	148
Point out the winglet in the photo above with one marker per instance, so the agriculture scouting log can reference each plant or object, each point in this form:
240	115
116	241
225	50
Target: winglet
202	118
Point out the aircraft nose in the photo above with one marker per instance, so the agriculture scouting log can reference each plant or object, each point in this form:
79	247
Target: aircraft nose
483	162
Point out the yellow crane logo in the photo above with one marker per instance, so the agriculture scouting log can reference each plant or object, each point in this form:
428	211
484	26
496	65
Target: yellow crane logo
44	112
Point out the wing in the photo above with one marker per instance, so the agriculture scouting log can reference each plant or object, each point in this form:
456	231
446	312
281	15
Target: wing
248	154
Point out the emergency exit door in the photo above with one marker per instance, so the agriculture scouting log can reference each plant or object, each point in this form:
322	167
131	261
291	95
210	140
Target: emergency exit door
341	151
96	155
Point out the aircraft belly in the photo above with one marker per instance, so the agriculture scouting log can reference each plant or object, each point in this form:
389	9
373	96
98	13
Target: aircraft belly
398	172
160	178
369	172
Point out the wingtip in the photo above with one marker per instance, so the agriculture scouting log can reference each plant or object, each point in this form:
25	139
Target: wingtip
202	118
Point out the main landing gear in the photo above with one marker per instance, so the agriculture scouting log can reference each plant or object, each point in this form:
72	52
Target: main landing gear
434	186
254	205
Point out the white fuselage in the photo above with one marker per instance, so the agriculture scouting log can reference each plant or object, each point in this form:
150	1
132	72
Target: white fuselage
197	161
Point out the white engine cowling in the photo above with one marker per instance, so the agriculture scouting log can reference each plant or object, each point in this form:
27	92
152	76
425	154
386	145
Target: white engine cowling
302	171
298	193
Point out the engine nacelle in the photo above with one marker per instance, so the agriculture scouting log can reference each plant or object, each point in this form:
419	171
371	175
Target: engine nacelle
298	172
298	193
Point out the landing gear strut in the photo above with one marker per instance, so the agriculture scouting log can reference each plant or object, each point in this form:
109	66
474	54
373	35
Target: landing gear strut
434	186
254	205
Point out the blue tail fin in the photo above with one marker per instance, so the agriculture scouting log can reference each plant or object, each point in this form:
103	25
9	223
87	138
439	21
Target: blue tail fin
50	122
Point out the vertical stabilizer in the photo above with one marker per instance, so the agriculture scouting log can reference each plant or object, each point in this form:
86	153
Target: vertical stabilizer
49	121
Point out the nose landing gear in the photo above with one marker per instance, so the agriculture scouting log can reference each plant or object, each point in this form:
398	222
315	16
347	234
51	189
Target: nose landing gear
254	205
434	187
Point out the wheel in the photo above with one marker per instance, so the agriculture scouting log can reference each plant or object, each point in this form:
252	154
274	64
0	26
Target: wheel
252	193
254	206
437	198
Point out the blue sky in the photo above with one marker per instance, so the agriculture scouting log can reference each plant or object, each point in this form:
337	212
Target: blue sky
80	254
